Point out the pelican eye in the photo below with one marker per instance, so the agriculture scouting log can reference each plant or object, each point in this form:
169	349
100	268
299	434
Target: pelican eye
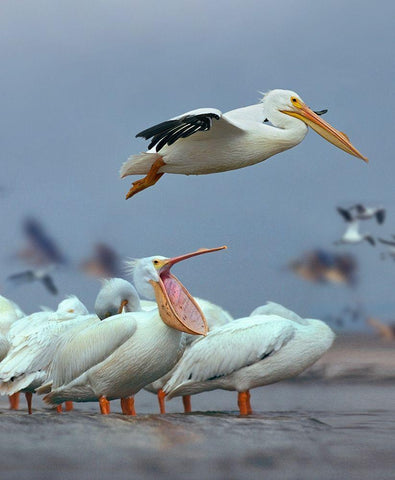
294	100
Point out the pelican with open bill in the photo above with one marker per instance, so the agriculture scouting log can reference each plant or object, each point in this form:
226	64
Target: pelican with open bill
177	308
127	351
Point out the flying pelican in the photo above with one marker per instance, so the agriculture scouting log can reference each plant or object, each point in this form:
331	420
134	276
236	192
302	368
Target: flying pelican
206	141
9	313
362	212
353	236
40	275
34	340
154	339
250	352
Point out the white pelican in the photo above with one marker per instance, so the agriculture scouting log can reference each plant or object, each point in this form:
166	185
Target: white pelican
206	141
250	352
9	313
352	235
215	316
118	295
153	345
34	340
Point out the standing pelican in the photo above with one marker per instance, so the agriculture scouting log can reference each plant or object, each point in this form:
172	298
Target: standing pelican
206	141
34	340
215	316
154	339
271	345
118	295
9	313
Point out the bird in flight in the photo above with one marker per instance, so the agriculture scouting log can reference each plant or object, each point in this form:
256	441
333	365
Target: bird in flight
206	140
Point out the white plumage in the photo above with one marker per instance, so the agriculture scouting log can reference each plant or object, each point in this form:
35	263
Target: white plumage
136	348
352	235
206	141
33	342
250	352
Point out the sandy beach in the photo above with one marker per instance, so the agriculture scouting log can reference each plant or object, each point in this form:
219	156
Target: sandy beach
342	426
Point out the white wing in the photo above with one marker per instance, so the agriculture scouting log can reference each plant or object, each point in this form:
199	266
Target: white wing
252	113
83	349
272	308
226	349
4	346
31	353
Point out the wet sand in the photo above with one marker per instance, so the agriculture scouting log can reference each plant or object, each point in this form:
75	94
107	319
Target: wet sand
308	428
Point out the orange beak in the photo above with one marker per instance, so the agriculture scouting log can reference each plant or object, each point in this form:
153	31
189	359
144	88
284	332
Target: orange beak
323	128
177	308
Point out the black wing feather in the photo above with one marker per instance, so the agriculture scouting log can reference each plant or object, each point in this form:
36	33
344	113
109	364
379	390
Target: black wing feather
22	277
49	284
170	131
387	242
345	214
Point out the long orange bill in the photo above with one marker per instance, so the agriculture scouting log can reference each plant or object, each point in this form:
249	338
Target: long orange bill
323	128
178	309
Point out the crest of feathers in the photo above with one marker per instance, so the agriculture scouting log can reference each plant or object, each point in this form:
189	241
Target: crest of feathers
130	265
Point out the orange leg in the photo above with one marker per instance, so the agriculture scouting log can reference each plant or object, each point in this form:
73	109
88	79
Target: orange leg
150	179
59	408
68	406
161	399
249	408
14	401
127	405
242	401
186	400
29	397
123	304
104	405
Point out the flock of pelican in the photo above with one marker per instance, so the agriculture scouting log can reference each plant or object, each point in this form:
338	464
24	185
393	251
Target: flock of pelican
171	344
154	334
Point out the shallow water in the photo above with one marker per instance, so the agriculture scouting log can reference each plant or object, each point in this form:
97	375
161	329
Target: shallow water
305	430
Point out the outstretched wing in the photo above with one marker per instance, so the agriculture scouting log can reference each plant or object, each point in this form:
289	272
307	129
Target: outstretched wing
166	133
345	214
229	348
22	277
49	284
387	242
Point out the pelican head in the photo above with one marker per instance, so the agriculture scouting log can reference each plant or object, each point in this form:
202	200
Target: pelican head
72	304
289	103
115	296
177	308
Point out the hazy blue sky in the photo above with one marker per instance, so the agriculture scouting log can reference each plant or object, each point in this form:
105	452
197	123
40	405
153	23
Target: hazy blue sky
80	78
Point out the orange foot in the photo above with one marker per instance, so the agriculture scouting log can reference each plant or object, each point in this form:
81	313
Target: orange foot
161	399
186	400
29	396
104	405
127	405
68	406
150	179
14	401
242	401
249	408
